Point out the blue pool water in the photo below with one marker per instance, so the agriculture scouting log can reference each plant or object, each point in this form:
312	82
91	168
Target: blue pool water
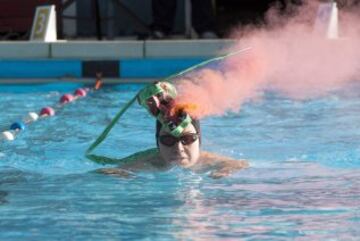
303	183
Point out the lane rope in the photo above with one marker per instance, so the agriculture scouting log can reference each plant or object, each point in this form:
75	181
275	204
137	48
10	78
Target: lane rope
17	127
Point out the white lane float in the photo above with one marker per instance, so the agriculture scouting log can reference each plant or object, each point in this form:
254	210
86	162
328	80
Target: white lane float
7	135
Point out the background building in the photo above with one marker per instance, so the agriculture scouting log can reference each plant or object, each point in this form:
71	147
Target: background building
120	18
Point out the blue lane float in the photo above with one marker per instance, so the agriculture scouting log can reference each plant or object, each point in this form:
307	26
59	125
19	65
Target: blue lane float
17	126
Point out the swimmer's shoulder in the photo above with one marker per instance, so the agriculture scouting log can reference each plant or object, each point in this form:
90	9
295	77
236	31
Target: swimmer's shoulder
214	159
140	161
144	160
221	166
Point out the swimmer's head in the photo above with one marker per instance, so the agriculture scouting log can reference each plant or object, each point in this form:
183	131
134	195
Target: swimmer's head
157	97
184	150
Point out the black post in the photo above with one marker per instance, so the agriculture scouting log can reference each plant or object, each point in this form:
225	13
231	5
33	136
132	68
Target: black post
97	20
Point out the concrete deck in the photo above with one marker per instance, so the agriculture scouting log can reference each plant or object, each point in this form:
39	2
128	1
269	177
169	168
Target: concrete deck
115	50
123	61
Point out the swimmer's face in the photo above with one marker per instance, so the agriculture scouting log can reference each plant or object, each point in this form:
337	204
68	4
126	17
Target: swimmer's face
184	155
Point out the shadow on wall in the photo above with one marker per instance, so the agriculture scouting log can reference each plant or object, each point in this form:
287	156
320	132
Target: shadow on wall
234	13
117	20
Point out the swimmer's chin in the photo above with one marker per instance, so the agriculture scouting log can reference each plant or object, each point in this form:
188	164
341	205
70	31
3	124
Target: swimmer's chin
182	162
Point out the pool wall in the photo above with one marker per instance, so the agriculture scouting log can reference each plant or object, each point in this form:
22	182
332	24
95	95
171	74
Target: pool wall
118	61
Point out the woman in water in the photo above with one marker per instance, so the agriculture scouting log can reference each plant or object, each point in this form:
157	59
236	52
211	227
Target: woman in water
183	151
178	139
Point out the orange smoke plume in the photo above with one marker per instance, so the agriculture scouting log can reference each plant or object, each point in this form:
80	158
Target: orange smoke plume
286	56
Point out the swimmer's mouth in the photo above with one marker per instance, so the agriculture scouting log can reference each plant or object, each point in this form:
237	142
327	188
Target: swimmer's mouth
178	159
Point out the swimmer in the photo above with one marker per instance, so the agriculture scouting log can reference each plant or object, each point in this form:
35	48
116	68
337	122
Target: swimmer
183	151
178	140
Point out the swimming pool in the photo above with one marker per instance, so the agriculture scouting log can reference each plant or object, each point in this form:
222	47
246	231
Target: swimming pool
303	184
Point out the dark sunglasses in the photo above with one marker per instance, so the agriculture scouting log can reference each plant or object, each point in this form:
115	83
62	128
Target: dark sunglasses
186	139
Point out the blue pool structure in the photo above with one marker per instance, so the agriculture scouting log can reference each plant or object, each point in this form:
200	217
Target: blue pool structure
125	68
303	182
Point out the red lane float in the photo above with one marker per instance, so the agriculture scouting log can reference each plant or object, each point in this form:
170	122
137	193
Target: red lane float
80	92
47	111
66	98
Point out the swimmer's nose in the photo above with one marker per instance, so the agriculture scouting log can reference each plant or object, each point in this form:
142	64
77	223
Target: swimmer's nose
179	147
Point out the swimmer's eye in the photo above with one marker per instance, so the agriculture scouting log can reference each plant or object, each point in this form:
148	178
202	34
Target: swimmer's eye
171	125
189	138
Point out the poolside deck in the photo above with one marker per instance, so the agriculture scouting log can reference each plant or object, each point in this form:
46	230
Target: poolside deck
119	61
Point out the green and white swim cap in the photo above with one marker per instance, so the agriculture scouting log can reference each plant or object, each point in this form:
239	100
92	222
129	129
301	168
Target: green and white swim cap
164	89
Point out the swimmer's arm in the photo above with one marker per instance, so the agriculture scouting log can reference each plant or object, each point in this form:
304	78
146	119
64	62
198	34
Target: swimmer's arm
224	166
140	164
127	169
118	172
